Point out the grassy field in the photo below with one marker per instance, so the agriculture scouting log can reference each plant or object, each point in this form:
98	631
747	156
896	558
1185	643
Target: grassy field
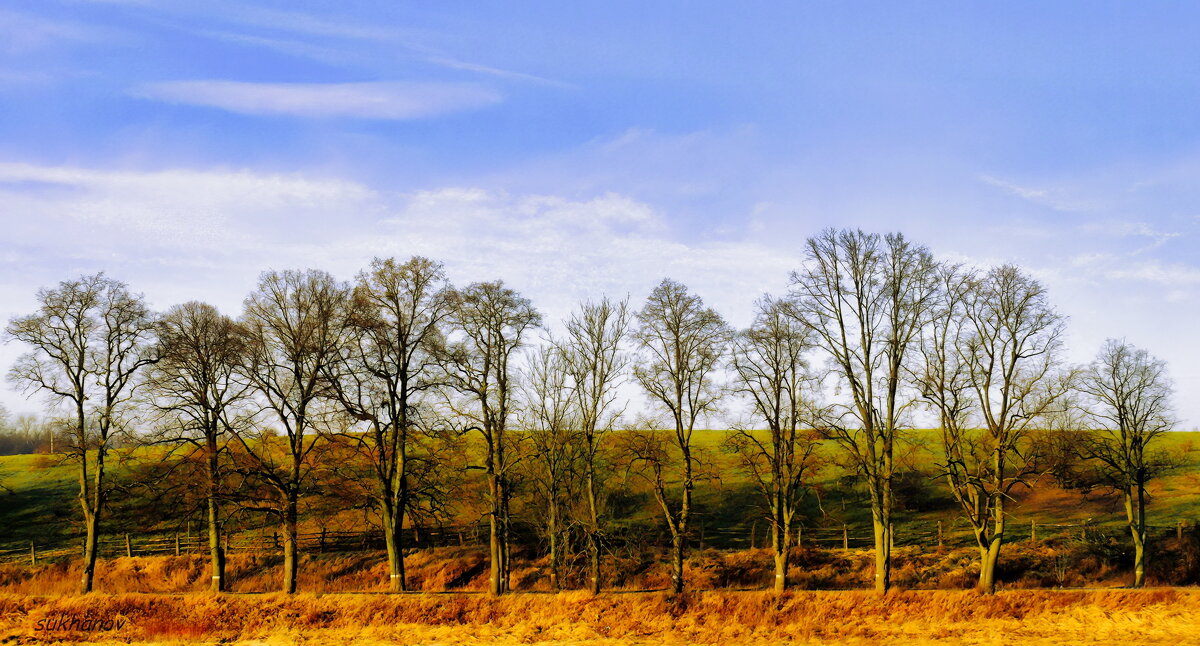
160	599
908	618
40	501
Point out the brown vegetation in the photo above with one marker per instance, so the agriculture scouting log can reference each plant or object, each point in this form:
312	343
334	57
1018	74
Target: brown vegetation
1149	616
1073	563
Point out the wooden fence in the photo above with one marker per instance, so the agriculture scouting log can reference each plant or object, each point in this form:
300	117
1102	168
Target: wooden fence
160	544
923	534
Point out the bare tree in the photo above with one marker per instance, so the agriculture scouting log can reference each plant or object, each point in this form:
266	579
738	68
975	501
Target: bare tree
196	384
389	360
867	297
89	338
490	321
769	366
994	354
556	450
945	380
295	323
682	343
592	353
1130	403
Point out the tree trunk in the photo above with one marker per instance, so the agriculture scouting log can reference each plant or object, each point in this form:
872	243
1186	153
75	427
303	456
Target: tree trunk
393	538
988	557
495	553
780	542
92	502
882	521
397	505
92	522
883	554
593	529
677	546
1135	510
555	556
990	547
216	552
679	537
505	539
291	537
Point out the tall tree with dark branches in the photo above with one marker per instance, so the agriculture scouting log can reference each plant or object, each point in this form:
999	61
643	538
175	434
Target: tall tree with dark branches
1009	355
196	384
1129	400
89	340
682	342
388	362
592	353
866	297
295	323
490	322
770	369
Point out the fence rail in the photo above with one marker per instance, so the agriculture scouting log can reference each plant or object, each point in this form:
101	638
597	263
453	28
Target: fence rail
924	534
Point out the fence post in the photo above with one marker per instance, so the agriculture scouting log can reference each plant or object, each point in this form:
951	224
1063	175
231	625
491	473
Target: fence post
1032	532
1179	531
845	537
891	528
32	553
321	548
128	546
799	536
176	543
940	542
753	534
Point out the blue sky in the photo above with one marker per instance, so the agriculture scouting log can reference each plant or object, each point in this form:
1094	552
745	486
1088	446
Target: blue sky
574	148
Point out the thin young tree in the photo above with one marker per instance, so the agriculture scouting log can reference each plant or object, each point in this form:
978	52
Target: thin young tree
592	353
866	297
770	369
295	323
1009	351
89	340
555	450
387	364
196	384
682	342
489	323
1129	400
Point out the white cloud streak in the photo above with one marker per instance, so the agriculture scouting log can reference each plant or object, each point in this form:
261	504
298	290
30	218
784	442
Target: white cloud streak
391	100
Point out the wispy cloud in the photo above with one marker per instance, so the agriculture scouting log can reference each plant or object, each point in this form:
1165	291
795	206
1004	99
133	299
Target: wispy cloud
373	100
22	77
1132	229
495	71
304	23
22	33
290	47
1056	199
1176	275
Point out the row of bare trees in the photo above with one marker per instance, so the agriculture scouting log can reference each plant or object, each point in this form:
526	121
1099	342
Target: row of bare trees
403	370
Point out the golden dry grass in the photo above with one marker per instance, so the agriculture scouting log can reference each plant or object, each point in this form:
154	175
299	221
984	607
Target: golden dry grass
1162	616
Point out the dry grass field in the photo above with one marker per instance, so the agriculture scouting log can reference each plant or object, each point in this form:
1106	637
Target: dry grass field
1155	616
